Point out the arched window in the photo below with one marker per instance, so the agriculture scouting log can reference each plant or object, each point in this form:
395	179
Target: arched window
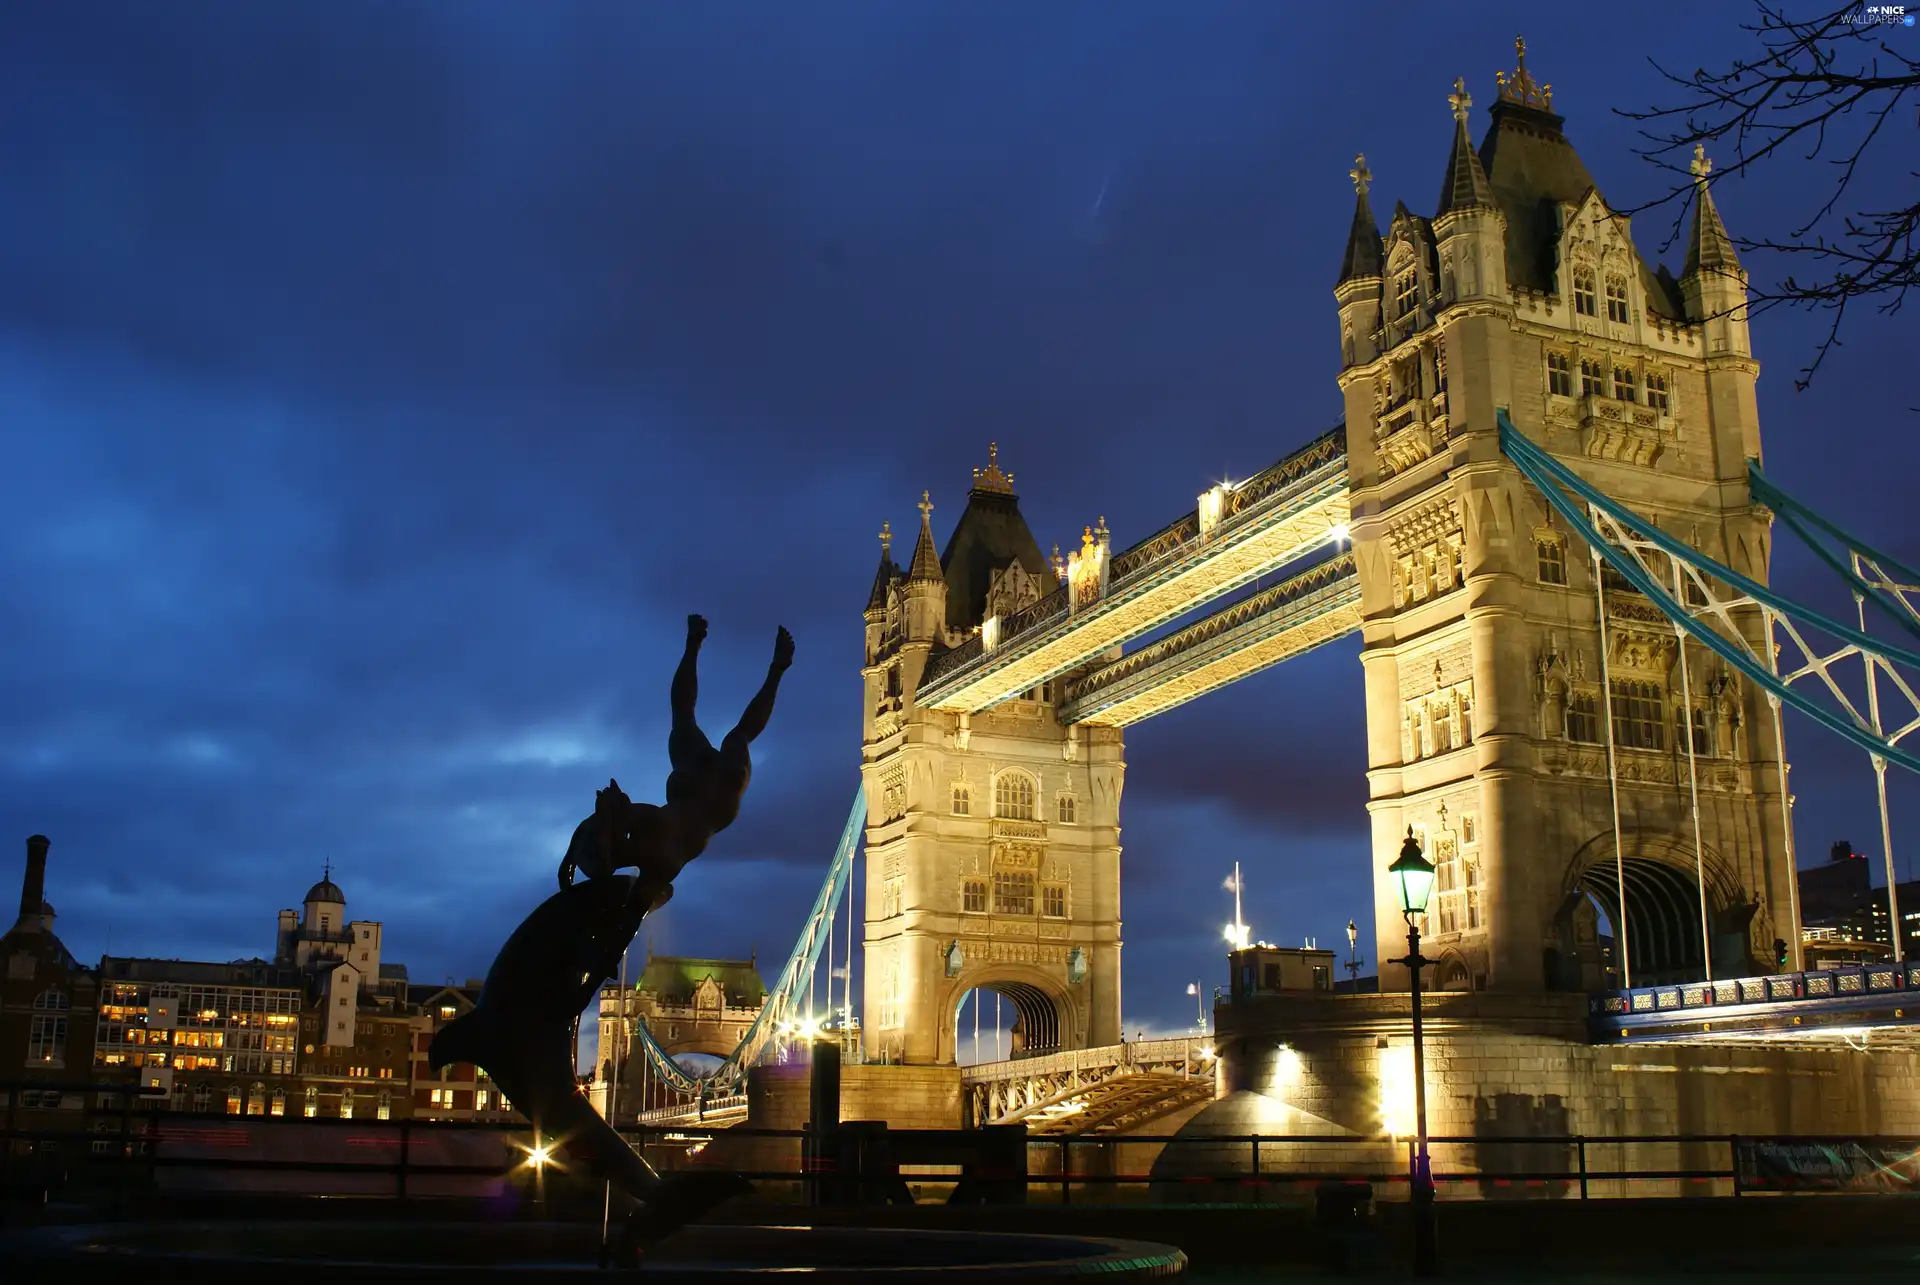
1346	348
962	801
1406	292
1551	555
203	1098
1616	299
346	1104
383	1107
234	1099
257	1100
1013	796
1585	301
312	1106
277	1104
973	896
1067	809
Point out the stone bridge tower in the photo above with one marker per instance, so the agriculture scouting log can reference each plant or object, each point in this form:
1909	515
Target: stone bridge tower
993	840
1489	695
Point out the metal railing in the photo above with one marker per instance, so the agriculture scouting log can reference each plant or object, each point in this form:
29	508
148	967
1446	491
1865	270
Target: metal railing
1842	981
395	1160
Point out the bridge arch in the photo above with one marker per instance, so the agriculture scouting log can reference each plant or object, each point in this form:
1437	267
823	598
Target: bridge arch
1662	913
1045	1015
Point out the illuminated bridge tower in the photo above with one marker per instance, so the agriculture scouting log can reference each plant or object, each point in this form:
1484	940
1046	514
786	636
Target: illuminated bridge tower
993	840
1488	694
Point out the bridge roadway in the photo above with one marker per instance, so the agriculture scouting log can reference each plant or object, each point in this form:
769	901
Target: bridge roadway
1236	534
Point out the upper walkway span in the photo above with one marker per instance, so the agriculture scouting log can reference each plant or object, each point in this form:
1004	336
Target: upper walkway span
1236	534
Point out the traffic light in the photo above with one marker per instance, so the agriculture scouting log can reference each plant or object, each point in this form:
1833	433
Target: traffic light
1780	953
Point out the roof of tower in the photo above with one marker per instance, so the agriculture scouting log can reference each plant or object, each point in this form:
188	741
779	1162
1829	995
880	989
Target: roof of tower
990	536
326	889
926	563
1533	170
883	578
1708	245
675	979
1363	257
1465	186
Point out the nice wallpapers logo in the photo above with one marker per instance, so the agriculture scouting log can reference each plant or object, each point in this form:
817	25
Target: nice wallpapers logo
1882	15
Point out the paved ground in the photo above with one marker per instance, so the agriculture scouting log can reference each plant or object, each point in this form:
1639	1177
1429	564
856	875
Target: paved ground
1661	1268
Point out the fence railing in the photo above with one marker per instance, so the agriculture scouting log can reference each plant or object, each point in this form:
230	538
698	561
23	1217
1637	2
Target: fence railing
184	1154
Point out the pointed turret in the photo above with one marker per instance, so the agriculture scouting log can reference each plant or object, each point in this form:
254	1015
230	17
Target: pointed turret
926	586
1465	186
883	578
1363	258
926	563
1359	288
1714	286
1709	248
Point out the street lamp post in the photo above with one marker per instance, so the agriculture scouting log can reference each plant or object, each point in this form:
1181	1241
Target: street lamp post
1199	1006
1413	874
1353	960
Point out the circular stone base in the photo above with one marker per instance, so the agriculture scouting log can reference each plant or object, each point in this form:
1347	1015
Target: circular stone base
295	1253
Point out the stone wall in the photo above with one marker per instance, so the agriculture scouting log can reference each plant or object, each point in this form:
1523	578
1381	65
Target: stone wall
1501	1068
906	1097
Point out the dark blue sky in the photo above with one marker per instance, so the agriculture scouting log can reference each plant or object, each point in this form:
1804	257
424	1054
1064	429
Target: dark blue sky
381	385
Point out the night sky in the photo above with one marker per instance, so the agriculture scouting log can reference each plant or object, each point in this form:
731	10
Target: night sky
382	384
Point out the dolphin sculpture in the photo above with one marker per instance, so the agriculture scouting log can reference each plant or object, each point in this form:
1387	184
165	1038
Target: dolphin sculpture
522	1032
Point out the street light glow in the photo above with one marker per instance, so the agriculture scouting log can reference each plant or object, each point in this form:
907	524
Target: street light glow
538	1157
1339	532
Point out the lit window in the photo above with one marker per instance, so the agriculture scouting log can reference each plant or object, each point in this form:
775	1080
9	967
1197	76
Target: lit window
1657	392
962	801
480	1100
1584	301
278	1104
1559	374
1012	892
47	1037
1552	558
1066	809
383	1108
346	1104
1054	904
1638	719
1406	292
311	1108
233	1099
446	1012
1616	299
257	1100
1625	385
1593	379
973	896
1013	796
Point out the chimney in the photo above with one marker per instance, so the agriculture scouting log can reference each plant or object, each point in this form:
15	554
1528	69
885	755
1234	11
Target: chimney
33	887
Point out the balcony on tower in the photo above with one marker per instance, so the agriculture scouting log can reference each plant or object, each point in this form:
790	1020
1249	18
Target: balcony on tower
1625	431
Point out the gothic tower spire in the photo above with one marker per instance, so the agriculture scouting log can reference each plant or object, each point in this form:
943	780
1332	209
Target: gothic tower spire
1709	249
1465	186
1362	259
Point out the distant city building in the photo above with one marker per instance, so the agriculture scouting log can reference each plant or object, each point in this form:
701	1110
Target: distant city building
325	1028
1844	919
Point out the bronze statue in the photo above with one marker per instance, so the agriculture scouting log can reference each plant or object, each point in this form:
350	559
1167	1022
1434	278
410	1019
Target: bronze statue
703	791
522	1031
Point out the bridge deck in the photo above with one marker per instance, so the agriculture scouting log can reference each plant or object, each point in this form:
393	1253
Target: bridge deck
1267	522
1876	1002
1317	606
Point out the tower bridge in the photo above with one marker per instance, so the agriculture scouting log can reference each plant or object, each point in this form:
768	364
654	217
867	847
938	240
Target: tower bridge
1545	516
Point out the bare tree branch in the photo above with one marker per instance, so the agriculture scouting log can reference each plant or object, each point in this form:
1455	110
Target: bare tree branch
1833	89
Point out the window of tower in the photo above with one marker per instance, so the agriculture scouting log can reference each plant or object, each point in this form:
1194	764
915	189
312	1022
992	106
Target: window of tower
1583	718
1616	299
1702	730
1346	348
1067	809
962	801
1593	379
1585	302
1406	293
1625	384
1639	721
1013	892
1054	902
1013	797
973	896
1559	374
1657	392
1552	557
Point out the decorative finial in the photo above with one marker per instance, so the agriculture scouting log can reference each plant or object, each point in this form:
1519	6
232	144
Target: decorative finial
991	478
1443	814
886	539
1100	530
1519	87
1086	542
1701	166
926	508
326	871
1459	99
1059	564
1362	176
